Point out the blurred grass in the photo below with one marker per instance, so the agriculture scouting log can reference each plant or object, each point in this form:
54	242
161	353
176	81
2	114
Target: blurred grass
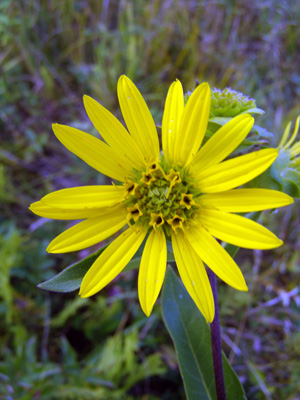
56	346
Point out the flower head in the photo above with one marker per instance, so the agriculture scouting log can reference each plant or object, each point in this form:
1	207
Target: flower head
184	194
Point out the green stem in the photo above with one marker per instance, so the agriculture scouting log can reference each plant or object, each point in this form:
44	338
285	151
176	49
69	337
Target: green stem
216	343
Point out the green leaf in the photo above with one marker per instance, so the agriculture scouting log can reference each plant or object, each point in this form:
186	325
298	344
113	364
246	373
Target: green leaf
191	336
293	175
220	120
291	188
262	131
291	182
254	110
70	278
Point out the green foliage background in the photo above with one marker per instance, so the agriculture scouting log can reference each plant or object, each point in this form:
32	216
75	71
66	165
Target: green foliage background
58	346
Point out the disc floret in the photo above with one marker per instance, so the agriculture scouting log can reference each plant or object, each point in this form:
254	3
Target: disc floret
161	197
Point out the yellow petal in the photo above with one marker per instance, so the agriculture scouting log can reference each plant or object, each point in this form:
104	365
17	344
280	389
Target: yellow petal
237	230
245	200
112	261
285	135
193	275
89	232
232	173
46	211
138	119
193	125
93	151
172	114
294	135
213	254
85	197
223	142
113	132
152	270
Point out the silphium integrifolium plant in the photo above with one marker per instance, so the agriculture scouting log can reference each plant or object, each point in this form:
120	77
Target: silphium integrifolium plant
188	193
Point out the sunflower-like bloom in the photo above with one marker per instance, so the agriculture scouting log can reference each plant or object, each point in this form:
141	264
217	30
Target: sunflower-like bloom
183	194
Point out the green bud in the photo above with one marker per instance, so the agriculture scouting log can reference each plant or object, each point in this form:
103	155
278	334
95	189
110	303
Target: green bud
229	103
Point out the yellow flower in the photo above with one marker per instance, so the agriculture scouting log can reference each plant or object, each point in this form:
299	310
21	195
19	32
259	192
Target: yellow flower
184	194
289	146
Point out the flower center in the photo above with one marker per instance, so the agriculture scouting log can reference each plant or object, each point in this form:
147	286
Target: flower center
161	197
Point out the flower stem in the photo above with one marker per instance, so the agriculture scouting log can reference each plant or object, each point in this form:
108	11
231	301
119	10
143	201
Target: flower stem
216	342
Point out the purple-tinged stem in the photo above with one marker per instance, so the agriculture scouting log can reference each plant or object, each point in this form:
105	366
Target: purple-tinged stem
216	343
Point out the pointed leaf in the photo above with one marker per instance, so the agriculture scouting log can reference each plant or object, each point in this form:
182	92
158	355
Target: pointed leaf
191	336
70	278
262	131
220	120
254	110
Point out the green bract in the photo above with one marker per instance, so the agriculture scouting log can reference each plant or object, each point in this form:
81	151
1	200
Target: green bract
230	103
